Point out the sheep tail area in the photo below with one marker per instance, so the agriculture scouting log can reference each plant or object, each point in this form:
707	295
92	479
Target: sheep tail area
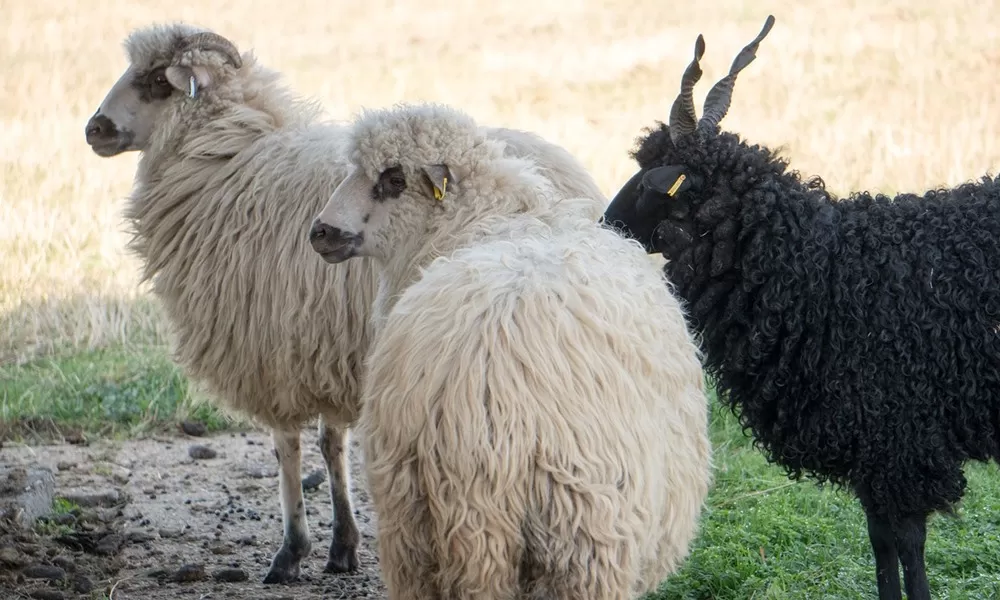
511	451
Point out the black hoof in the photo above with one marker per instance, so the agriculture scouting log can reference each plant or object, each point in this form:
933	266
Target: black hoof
343	558
284	567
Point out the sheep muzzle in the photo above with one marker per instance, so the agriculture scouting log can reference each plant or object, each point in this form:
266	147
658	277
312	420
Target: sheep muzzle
333	244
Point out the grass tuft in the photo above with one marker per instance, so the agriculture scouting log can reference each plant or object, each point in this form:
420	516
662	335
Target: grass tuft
110	391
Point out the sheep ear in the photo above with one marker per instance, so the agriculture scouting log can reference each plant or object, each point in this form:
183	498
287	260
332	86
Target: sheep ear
670	180
189	80
439	177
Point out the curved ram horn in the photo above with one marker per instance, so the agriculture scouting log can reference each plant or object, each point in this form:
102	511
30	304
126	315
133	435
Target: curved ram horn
718	98
207	40
683	118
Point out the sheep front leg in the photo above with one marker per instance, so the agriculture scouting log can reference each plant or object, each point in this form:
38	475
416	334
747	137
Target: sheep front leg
333	439
295	545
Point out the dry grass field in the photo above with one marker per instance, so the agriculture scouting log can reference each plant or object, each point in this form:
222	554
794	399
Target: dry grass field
884	95
892	95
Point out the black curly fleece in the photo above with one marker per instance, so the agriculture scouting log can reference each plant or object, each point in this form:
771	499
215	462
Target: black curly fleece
857	338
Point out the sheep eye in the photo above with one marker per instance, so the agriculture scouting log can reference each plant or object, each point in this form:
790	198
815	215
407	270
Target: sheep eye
391	184
161	80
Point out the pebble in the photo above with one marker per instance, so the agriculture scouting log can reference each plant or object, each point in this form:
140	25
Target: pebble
313	480
194	428
171	533
90	497
187	573
230	575
64	563
10	556
82	584
137	536
44	572
199	452
221	548
261	472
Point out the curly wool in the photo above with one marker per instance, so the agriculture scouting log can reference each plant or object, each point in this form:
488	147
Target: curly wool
858	338
530	430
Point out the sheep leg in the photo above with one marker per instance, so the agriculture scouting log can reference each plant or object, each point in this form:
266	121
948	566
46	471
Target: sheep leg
883	540
295	545
343	555
911	533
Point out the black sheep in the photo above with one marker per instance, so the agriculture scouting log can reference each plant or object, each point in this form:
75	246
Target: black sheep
857	339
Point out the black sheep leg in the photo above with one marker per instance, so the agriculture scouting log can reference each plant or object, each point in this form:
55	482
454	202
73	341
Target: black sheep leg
883	540
911	534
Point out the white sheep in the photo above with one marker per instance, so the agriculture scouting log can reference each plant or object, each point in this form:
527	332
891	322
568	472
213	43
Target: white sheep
233	168
533	426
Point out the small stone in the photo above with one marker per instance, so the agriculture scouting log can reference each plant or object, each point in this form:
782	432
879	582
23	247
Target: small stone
261	472
199	452
194	428
171	533
11	557
137	536
64	563
189	573
82	584
65	465
89	498
221	549
313	480
230	575
109	545
47	594
44	572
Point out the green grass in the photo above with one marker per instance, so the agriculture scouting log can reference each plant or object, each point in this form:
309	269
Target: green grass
764	536
115	391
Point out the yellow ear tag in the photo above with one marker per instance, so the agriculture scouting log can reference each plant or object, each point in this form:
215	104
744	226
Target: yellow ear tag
677	184
439	193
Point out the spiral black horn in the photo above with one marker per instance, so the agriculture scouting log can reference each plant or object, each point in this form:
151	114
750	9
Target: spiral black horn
683	119
718	98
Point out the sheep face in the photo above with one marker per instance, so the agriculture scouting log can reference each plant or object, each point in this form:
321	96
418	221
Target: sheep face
654	195
170	68
375	217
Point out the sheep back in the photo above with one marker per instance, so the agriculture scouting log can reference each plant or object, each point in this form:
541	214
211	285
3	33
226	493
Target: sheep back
532	399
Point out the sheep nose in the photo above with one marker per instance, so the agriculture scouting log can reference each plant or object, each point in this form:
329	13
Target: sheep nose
323	233
333	244
99	128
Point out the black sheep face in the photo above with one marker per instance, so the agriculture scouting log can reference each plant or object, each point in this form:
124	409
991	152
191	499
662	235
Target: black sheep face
657	205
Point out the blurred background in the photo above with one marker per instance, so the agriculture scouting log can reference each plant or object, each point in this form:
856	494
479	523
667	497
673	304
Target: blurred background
888	96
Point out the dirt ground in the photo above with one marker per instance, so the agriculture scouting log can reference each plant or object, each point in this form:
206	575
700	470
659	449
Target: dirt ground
156	524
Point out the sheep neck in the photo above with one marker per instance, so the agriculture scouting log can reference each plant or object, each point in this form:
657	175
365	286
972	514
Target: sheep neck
759	252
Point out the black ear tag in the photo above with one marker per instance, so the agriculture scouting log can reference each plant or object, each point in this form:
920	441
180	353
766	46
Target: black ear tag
670	180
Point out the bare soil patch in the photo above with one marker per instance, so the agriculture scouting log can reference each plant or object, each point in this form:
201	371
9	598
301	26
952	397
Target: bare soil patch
153	523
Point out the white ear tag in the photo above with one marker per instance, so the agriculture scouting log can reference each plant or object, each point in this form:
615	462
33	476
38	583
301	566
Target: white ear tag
193	89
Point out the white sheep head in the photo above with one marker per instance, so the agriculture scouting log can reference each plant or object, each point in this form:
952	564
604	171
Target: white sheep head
415	170
168	65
